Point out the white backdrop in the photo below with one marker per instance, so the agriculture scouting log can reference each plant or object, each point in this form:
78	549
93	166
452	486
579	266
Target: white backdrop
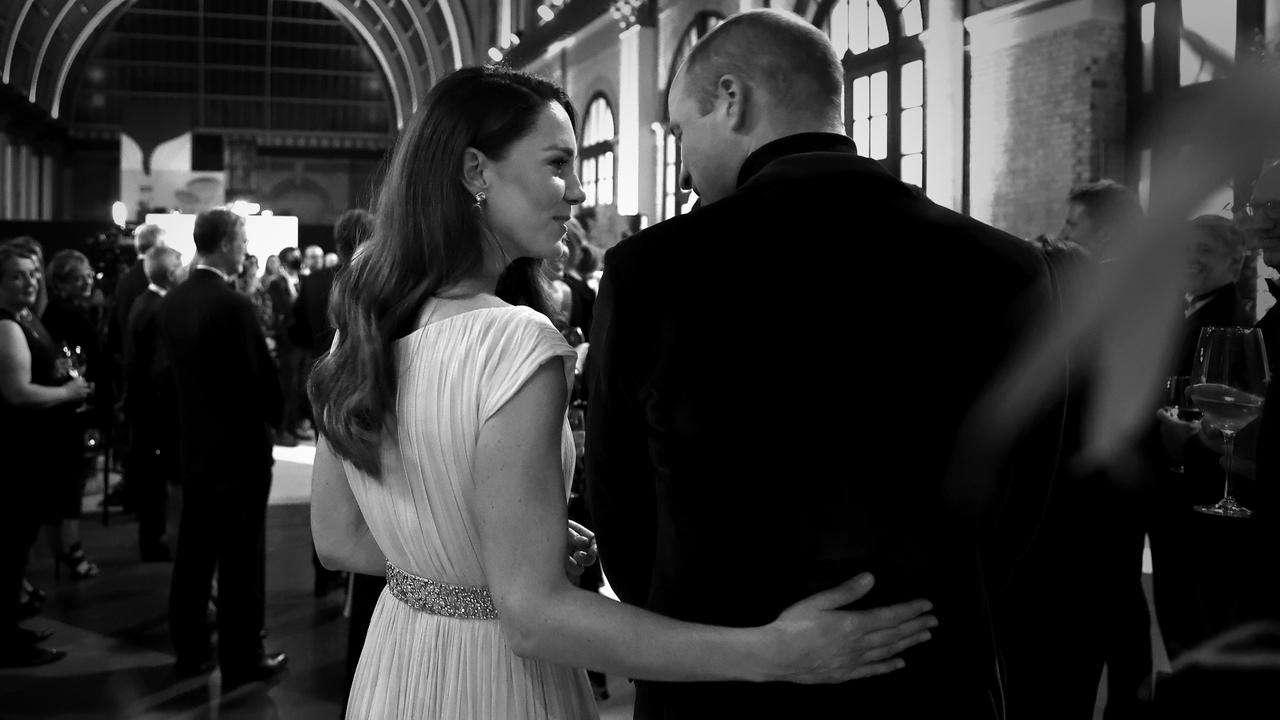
266	235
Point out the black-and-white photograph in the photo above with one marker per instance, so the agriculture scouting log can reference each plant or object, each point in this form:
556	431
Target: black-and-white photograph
639	359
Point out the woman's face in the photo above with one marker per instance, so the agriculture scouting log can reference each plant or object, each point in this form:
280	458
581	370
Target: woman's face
78	283
530	191
19	283
273	265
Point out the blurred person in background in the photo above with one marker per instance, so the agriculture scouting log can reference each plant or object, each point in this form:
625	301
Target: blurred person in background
271	270
331	260
71	321
150	407
35	402
290	358
312	259
580	257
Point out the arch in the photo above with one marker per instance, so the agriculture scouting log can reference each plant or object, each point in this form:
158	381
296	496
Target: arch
883	60
598	151
431	24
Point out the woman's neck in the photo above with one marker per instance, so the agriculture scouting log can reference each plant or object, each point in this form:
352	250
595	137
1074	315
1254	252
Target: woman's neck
470	286
16	309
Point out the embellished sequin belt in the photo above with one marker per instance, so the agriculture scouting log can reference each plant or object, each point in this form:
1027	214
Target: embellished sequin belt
456	601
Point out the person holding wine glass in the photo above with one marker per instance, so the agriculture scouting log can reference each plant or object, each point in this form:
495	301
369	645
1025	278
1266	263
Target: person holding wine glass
69	320
1189	550
34	404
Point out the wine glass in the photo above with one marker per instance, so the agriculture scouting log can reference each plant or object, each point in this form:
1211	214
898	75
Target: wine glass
1179	406
1229	381
75	363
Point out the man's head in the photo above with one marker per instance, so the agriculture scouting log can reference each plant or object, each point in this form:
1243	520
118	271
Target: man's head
1264	215
313	258
1100	216
1216	256
353	227
220	239
758	76
147	236
162	265
332	260
290	260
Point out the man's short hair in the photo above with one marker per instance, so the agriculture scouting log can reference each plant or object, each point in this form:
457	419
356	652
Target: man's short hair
291	258
776	51
214	226
353	227
145	237
153	263
1107	202
1224	232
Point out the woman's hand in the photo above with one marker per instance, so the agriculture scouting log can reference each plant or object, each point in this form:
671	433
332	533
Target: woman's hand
581	553
1175	432
812	642
77	389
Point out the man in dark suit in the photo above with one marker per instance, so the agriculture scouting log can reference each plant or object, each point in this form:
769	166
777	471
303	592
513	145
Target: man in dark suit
727	476
291	358
148	406
228	402
129	287
132	284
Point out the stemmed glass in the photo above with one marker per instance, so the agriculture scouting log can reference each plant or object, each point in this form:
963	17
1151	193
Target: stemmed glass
76	365
1228	382
1179	405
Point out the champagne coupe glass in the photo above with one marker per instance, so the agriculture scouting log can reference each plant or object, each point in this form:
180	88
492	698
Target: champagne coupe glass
1228	383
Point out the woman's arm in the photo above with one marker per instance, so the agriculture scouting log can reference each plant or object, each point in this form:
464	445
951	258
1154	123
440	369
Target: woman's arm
519	509
342	538
15	374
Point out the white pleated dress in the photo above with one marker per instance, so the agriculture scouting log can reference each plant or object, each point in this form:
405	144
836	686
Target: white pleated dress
455	373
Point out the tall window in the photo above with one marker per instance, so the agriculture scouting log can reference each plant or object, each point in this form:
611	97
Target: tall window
878	42
676	200
597	144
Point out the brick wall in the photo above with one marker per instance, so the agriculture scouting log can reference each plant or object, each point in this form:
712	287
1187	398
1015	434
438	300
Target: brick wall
1044	114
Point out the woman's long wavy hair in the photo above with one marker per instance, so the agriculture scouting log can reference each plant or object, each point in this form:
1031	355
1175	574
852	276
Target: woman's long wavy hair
427	235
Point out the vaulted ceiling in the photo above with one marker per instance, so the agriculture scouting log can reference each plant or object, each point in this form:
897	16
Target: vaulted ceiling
48	46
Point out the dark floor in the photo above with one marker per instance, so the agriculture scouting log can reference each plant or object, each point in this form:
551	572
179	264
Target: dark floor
115	632
119	660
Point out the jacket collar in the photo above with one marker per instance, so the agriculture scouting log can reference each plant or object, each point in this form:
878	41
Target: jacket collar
793	145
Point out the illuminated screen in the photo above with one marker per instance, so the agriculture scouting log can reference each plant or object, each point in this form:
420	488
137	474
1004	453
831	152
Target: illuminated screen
266	235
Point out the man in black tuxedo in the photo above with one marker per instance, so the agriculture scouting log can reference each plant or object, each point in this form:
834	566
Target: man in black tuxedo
129	287
727	476
149	405
228	402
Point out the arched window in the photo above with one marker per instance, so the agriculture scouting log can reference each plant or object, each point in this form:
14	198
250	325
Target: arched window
598	137
676	200
878	42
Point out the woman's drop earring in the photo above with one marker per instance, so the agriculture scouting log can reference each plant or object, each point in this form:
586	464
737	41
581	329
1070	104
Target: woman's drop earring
480	198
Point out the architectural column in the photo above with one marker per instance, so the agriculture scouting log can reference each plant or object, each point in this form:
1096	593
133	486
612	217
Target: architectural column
944	87
48	184
1047	108
1271	16
6	178
34	185
21	183
637	102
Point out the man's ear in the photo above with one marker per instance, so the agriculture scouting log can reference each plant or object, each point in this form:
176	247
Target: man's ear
731	95
474	166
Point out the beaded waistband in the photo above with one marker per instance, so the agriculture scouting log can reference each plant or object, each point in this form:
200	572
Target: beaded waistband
456	601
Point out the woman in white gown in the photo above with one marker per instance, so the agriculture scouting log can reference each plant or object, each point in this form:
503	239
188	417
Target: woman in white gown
445	454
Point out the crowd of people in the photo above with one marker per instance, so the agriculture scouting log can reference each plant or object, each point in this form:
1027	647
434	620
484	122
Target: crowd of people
466	366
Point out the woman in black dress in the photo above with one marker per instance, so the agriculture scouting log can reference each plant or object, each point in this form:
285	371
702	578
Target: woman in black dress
70	320
31	400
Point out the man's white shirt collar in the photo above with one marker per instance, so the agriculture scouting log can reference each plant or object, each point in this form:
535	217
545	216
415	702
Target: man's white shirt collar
221	274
